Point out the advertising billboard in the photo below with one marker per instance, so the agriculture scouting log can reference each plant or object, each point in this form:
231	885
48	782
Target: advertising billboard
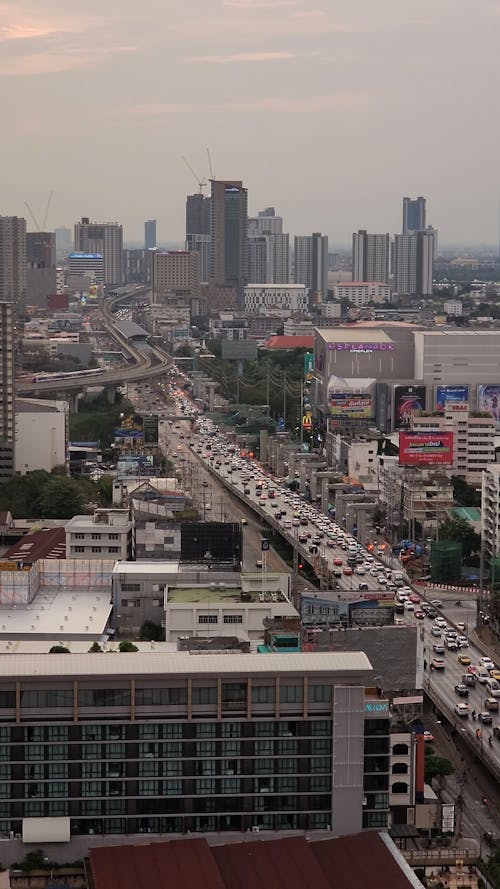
425	448
488	401
451	395
407	401
351	405
134	465
150	428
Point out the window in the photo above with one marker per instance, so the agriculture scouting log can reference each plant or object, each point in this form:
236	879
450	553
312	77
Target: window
205	695
233	618
399	787
160	697
263	694
96	549
400	768
78	549
206	730
319	694
96	536
400	750
321	727
7	699
47	699
114	549
292	694
234	692
231	730
131	588
264	729
207	619
113	536
79	536
104	697
205	786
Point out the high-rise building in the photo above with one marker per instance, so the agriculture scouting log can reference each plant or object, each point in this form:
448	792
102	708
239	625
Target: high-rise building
269	259
311	262
41	267
175	271
150	234
88	265
64	241
105	238
7	387
265	223
12	259
228	232
201	244
197	215
413	263
370	257
413	215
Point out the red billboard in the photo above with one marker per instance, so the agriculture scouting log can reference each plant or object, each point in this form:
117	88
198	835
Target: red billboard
425	448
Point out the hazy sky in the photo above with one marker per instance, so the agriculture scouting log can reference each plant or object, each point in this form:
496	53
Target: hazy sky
330	110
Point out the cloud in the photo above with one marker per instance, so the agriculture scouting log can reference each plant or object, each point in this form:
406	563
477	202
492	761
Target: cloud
41	63
258	4
320	103
246	57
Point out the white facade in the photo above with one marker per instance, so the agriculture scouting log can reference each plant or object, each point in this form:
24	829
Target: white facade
90	265
297	327
490	511
453	307
269	259
105	535
413	262
311	262
473	439
360	293
331	310
286	296
41	434
105	238
370	256
60	280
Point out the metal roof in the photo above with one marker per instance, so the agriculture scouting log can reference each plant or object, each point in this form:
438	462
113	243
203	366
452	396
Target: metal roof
179	864
130	329
270	864
138	664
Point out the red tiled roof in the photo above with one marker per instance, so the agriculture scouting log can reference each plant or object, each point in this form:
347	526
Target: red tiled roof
178	864
48	543
289	342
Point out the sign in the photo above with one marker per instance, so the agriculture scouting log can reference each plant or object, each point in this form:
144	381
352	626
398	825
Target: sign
376	706
407	401
135	465
128	433
348	404
361	347
232	189
281	424
451	395
307	421
264	545
308	366
150	429
85	255
448	818
488	401
425	448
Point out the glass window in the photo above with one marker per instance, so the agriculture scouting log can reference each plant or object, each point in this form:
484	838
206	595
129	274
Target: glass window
104	697
376	726
91	770
374	819
264	748
160	697
91	751
7	699
205	695
57	751
321	727
400	750
91	788
399	787
231	730
206	730
205	749
264	729
149	730
58	770
320	694
230	785
148	788
291	694
321	746
400	768
172	788
57	733
234	692
47	698
205	786
320	764
376	764
287	766
91	732
263	694
33	751
172	767
320	783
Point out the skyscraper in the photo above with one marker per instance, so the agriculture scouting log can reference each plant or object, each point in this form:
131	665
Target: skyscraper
105	238
269	259
197	215
311	262
150	234
228	234
7	383
12	259
41	279
413	263
413	215
370	257
265	223
175	271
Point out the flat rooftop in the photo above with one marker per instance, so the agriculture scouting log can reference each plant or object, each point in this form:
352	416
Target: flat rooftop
193	595
80	612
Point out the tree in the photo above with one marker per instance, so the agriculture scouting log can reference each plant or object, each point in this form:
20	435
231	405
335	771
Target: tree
437	766
60	499
461	530
95	648
464	494
59	649
105	490
151	632
127	646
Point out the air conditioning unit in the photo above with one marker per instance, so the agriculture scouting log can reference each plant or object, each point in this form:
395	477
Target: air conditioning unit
255	828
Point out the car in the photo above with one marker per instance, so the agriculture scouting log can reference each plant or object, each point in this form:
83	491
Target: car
461	626
436	631
419	615
360	570
469	679
337	561
258	563
487	662
451	644
440	622
464	659
438	648
347	570
438	663
485	717
437	603
495	674
428	736
462	710
363	587
409	606
431	612
463	642
461	690
415	599
491	704
493	688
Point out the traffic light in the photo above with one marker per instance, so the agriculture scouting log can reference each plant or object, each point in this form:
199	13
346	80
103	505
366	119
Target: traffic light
300	566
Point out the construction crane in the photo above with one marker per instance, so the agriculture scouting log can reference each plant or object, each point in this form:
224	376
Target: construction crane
45	215
201	182
212	174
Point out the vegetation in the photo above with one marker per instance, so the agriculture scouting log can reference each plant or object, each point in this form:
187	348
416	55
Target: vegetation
437	766
97	418
151	632
42	494
37	860
493	867
95	648
464	494
461	530
126	645
59	649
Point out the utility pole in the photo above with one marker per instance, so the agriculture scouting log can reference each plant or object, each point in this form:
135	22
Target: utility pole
267	386
284	397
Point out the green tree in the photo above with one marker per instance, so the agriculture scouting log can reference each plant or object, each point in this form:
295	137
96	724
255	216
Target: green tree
464	494
59	649
95	648
127	646
461	530
151	632
61	498
437	766
104	489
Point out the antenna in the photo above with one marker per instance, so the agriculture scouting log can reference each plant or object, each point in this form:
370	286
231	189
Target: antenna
212	174
32	215
201	182
47	206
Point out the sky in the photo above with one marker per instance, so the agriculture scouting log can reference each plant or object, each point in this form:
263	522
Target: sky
329	110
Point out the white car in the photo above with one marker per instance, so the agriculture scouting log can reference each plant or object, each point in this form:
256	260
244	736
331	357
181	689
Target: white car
409	606
462	710
487	662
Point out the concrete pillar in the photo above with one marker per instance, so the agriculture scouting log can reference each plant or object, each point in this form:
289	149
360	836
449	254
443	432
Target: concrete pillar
111	393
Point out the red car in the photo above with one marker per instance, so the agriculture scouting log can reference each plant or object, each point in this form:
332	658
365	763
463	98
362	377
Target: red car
419	615
347	570
337	561
415	599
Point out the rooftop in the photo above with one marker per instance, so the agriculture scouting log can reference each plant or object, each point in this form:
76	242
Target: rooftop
355	334
79	613
49	543
125	665
220	594
289	342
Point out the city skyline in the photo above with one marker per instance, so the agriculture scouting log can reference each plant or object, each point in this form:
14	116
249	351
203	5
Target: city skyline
332	116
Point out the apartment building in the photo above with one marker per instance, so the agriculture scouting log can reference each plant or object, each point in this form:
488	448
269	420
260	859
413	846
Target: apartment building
473	439
259	297
105	535
411	494
172	743
490	512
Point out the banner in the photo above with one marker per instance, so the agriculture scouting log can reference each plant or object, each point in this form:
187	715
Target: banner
488	401
348	404
451	394
407	401
425	448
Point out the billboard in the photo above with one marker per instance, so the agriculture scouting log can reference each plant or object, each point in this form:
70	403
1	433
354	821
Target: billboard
211	542
488	401
136	465
351	405
308	366
150	428
407	401
451	394
425	448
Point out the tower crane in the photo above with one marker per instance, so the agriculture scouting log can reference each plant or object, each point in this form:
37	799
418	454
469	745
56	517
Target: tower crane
201	182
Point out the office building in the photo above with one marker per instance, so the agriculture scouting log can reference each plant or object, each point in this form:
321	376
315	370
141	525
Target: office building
13	259
228	232
269	259
201	245
197	215
150	234
87	265
41	277
104	238
413	215
311	262
361	293
169	743
259	297
265	223
453	307
413	263
7	389
64	241
413	494
175	272
105	535
370	256
42	434
473	438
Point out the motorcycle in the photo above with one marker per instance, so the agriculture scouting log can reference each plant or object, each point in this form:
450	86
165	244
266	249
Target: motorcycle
458	603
